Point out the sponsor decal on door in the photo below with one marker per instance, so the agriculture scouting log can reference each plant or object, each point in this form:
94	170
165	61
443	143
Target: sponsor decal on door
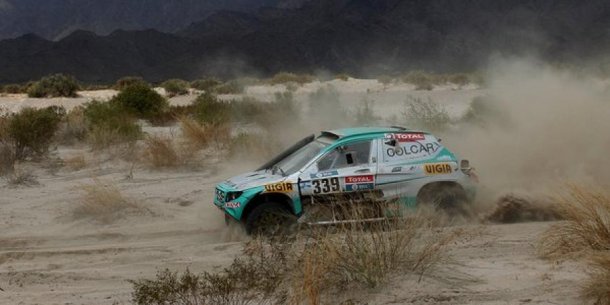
359	183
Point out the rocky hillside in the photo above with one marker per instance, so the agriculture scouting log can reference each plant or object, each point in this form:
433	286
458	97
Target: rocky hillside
355	36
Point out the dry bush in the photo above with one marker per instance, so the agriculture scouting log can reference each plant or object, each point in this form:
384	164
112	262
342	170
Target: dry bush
22	177
193	132
73	127
313	267
513	209
104	202
160	152
587	223
75	163
597	287
285	78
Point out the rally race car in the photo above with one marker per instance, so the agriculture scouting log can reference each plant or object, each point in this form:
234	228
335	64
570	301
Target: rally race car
389	164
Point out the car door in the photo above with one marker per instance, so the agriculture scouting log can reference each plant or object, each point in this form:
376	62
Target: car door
349	167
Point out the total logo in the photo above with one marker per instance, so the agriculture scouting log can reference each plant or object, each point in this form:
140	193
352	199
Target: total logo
406	137
360	179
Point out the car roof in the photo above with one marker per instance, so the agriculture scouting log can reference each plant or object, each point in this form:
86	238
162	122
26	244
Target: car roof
357	131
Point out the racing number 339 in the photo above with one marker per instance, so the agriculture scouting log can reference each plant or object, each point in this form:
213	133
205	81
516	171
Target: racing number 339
326	185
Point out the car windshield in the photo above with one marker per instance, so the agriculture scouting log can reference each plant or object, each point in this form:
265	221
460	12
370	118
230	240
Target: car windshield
295	161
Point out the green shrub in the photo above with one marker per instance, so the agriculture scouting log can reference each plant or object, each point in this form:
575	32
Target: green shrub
128	81
108	124
210	110
421	80
342	76
141	101
175	87
31	131
12	89
230	87
426	115
57	85
206	84
285	77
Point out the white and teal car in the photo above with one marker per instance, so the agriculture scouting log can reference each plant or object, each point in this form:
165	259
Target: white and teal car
392	164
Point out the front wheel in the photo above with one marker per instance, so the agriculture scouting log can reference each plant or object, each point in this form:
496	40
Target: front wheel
269	219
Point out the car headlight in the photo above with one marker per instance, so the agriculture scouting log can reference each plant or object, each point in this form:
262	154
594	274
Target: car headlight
233	195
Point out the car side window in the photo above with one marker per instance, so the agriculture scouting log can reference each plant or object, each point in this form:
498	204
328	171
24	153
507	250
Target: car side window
352	154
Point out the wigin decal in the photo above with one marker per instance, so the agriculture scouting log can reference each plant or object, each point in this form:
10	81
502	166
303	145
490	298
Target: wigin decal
359	183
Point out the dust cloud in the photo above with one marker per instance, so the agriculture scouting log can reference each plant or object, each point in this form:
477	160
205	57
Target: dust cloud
549	126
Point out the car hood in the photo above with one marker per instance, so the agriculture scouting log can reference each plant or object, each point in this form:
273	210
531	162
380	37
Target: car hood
253	179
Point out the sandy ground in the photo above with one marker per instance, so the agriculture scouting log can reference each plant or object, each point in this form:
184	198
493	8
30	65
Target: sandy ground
47	256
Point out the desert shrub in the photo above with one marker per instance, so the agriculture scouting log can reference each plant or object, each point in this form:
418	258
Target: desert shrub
73	127
104	202
54	86
206	84
160	152
129	81
75	163
171	114
313	267
285	77
420	79
31	131
342	76
193	132
141	101
109	124
210	110
459	79
21	177
175	87
425	114
584	233
597	287
230	87
12	89
587	223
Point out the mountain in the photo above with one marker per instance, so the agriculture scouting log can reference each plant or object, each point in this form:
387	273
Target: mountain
55	19
361	37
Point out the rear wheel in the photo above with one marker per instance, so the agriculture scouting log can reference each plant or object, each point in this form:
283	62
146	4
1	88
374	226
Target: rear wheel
449	197
269	219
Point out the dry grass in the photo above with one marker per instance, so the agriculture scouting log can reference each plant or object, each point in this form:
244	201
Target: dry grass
597	287
104	202
22	177
73	127
587	223
314	267
160	152
75	163
585	233
193	132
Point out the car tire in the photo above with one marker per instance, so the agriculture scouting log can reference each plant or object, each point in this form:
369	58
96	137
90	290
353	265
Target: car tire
445	196
270	219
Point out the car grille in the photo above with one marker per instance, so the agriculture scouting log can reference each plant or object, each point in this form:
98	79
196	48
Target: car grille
220	196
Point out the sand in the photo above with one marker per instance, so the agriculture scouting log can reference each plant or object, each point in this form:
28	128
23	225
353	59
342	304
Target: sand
49	256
